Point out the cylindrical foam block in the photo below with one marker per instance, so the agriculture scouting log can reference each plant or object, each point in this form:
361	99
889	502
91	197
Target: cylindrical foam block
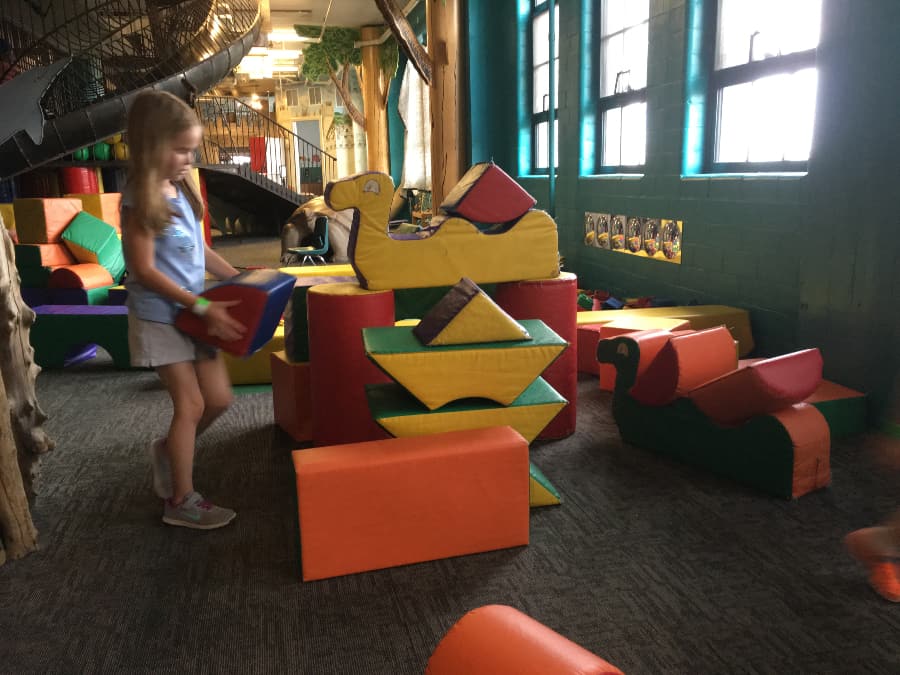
83	275
555	302
338	366
77	180
501	640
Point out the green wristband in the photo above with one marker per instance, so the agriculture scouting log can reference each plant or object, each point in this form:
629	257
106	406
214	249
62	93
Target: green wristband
200	306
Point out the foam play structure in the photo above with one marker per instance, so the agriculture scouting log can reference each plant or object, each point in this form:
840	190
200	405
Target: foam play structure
467	385
501	640
377	504
686	397
58	329
452	247
262	296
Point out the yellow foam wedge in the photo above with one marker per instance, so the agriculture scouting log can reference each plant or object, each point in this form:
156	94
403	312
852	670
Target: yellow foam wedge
400	414
499	371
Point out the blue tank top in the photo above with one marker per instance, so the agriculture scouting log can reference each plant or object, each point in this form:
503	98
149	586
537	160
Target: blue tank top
178	253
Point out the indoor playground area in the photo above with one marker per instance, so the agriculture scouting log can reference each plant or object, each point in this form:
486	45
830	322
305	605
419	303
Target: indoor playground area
569	338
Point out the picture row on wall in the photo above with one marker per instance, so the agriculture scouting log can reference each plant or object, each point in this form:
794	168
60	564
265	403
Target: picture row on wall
655	238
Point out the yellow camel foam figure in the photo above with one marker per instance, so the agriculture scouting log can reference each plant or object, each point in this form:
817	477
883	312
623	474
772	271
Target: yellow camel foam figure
440	255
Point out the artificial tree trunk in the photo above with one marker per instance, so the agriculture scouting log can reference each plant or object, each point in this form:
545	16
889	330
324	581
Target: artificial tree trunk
22	438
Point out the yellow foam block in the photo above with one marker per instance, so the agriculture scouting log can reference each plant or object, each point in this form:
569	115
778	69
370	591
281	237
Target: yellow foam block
540	490
340	270
700	316
452	248
8	213
398	412
255	369
499	371
104	206
407	322
467	315
538	495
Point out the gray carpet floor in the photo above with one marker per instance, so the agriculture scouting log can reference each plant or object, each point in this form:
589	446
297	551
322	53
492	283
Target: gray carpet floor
655	566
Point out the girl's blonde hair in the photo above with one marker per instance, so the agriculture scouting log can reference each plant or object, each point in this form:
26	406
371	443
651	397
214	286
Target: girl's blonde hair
155	118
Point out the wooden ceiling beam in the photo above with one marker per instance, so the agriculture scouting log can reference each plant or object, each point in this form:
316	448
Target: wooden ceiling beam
406	38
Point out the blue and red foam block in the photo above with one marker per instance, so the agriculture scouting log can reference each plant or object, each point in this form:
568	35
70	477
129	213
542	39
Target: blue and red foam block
262	296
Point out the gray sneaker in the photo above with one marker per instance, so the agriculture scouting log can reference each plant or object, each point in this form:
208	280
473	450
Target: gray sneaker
162	470
197	513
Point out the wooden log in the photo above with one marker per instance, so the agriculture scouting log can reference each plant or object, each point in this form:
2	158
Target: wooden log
19	371
449	131
18	536
374	85
21	437
406	38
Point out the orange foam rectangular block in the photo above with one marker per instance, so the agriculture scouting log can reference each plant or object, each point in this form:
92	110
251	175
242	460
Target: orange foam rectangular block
377	504
104	205
291	396
42	220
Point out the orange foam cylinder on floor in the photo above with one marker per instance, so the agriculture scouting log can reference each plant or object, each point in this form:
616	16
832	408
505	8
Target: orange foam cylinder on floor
684	363
82	275
761	388
555	302
378	504
291	396
501	640
339	368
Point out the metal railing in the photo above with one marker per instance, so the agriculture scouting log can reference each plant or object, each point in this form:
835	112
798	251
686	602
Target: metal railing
236	134
115	46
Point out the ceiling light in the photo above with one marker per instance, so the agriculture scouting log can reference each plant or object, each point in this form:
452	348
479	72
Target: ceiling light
284	35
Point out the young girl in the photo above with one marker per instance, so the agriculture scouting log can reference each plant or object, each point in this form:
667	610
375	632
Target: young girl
167	257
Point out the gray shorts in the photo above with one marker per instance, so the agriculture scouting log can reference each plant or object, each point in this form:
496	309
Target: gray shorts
154	344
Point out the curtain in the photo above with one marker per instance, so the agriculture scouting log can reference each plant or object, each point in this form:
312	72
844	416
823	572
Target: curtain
415	112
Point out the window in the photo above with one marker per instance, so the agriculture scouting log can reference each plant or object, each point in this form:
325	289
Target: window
540	87
315	96
762	88
621	89
291	98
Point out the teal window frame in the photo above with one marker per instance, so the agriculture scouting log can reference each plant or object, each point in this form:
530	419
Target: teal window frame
703	92
600	105
544	116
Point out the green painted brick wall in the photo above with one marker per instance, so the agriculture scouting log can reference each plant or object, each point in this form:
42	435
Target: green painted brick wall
815	259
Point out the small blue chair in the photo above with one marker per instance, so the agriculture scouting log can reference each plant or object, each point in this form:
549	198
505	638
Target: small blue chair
319	249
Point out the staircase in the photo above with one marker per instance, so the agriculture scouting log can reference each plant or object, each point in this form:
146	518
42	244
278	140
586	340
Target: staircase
76	63
255	164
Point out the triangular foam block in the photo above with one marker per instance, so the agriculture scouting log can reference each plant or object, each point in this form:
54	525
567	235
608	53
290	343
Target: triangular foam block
467	315
499	371
400	414
540	490
486	194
